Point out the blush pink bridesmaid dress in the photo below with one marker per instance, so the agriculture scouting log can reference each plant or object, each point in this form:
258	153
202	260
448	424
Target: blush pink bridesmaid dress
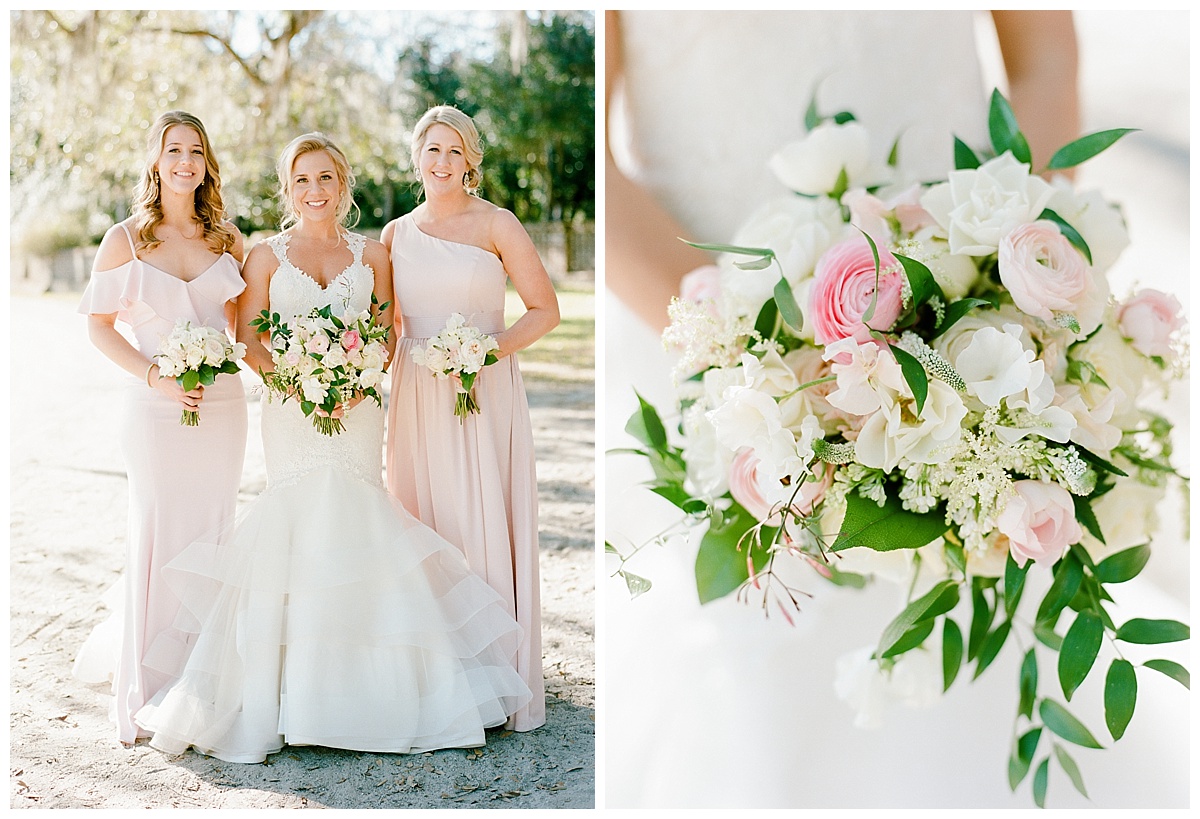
183	481
473	482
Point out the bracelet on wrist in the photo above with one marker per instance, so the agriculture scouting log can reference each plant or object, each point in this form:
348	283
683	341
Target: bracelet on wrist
148	369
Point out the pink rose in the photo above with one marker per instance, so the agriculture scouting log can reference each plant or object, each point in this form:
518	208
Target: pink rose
352	341
1148	320
701	284
843	284
1039	522
1043	272
759	497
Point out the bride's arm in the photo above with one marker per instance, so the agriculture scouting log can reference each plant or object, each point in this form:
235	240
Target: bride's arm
644	259
260	264
1041	60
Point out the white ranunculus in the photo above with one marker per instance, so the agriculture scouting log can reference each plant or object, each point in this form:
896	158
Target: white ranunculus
1099	222
978	207
752	418
811	165
798	230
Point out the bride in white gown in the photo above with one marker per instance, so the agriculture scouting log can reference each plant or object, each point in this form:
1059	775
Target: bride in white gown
716	706
329	615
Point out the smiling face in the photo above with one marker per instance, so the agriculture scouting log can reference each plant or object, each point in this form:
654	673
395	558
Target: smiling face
314	186
442	161
181	164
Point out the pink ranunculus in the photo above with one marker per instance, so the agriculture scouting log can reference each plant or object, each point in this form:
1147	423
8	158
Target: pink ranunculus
701	284
758	497
1043	272
843	285
1148	320
352	341
1039	522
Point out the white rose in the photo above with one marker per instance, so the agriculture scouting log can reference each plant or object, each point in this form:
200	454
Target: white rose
812	165
336	357
1128	517
472	354
707	458
1099	223
214	350
373	359
370	377
979	207
1120	367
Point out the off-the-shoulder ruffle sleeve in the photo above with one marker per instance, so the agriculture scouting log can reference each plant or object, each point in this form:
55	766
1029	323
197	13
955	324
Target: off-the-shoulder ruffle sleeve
120	291
222	283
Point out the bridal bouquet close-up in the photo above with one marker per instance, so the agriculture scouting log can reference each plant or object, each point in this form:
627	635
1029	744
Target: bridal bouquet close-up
461	351
931	383
325	360
194	357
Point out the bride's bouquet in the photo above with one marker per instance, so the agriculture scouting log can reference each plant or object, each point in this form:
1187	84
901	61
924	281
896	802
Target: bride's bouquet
326	360
932	383
194	357
462	351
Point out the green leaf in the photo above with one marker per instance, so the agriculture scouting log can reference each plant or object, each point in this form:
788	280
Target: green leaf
1041	779
673	492
307	407
787	305
1139	630
1068	574
811	118
914	374
894	154
888	527
1070	768
1022	757
940	599
1003	129
1014	583
668	466
1173	670
189	380
956	557
964	158
721	567
1028	684
842	117
1073	236
737	249
1084	148
1059	720
991	647
207	375
840	186
955	311
910	639
952	652
982	615
1047	636
1120	696
636	584
764	325
1085	515
609	549
920	279
646	426
1080	646
869	313
1124	565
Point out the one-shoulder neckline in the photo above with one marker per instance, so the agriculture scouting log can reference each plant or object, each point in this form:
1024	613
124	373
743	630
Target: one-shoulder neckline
417	228
169	275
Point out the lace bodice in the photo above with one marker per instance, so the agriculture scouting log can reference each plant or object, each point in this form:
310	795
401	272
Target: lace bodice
291	444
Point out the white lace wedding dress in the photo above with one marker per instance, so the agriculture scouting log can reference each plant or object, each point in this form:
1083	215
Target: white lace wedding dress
716	706
329	615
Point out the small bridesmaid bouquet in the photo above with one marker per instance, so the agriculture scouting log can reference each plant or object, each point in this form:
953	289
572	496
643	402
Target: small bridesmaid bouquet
194	356
459	350
326	360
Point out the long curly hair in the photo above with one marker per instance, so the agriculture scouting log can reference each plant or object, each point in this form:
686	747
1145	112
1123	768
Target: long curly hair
465	127
307	144
147	198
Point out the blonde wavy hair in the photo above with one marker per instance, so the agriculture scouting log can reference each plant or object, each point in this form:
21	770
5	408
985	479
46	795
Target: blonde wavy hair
307	144
464	126
147	197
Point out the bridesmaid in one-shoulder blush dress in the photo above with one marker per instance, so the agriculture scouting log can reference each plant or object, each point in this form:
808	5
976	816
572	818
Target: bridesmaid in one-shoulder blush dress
473	481
173	259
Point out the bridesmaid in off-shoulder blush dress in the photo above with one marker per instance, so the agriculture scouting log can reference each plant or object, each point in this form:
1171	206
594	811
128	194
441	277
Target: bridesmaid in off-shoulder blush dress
473	481
173	259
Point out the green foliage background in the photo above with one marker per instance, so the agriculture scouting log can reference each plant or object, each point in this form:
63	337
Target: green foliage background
85	86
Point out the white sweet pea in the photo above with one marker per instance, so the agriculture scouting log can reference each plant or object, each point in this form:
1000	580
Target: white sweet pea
914	679
1092	429
707	458
868	377
812	165
977	208
995	364
894	434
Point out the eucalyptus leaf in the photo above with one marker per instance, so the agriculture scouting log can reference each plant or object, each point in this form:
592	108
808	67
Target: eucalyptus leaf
1028	684
788	308
720	565
1070	768
1173	670
952	652
888	527
1084	148
1120	697
1059	720
1139	630
1080	646
938	600
1124	565
914	375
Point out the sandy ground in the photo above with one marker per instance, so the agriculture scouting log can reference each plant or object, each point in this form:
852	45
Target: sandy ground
68	509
